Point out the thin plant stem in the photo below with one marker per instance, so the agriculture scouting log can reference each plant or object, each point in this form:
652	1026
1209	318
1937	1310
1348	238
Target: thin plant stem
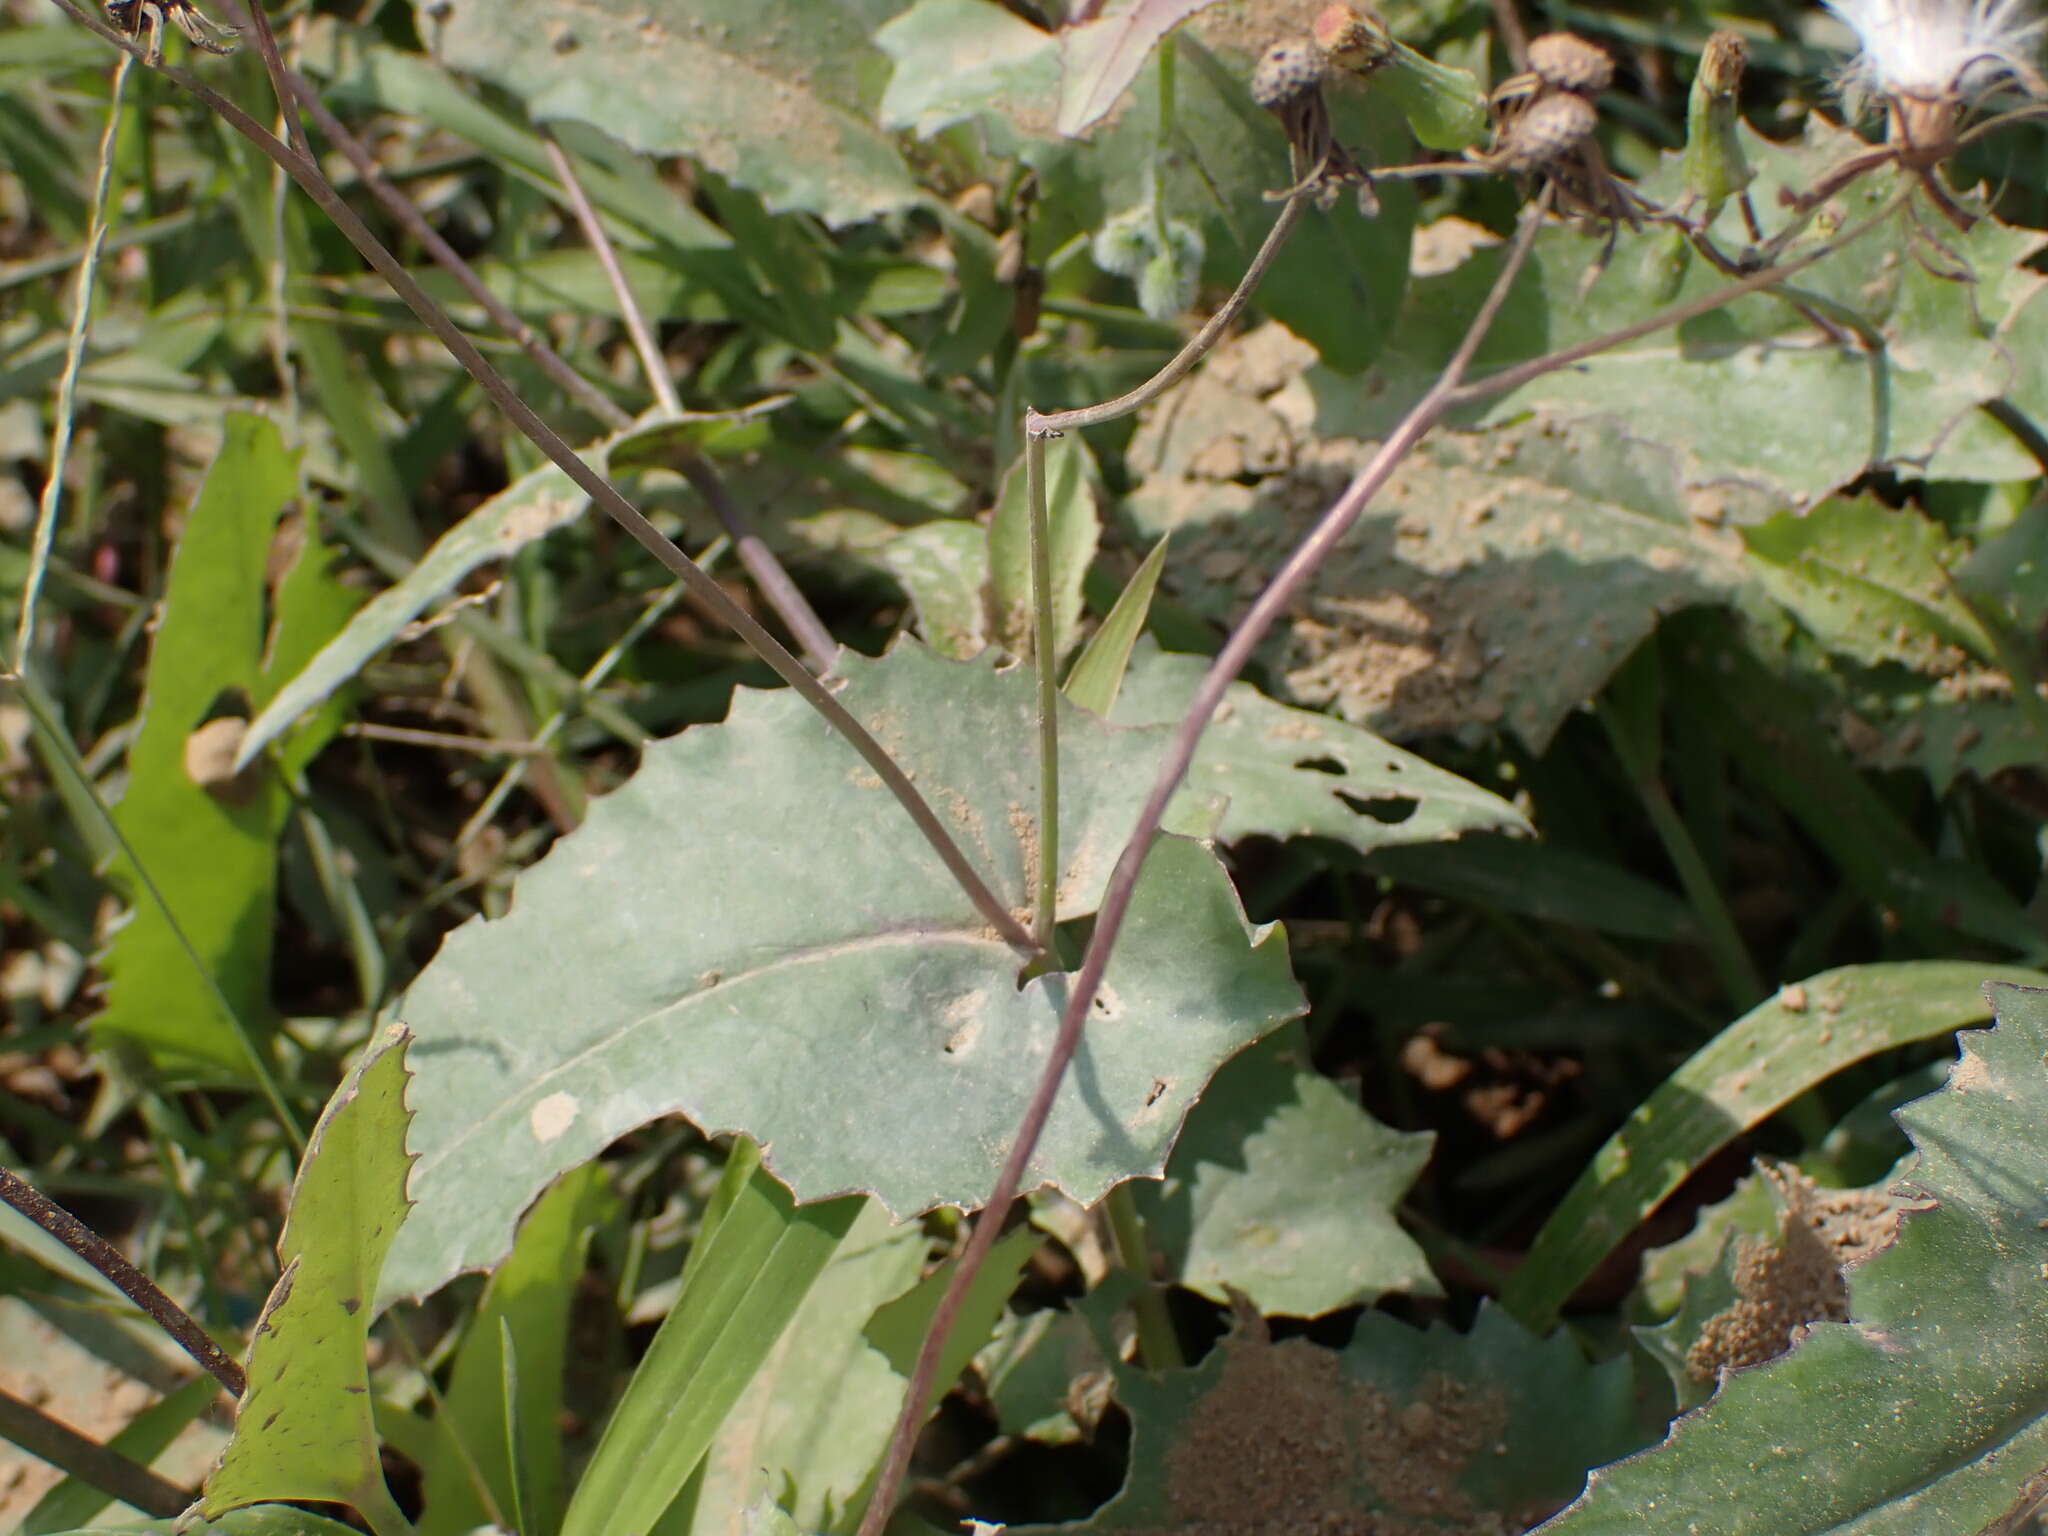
445	256
708	594
1515	377
1044	665
1207	337
48	503
258	26
1730	956
651	361
130	1281
1158	1344
48	726
80	1456
1123	880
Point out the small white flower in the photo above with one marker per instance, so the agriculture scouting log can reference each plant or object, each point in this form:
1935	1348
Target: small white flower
1942	49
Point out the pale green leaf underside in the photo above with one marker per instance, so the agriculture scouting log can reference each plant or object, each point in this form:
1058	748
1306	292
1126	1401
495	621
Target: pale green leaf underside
824	987
1755	392
1927	1412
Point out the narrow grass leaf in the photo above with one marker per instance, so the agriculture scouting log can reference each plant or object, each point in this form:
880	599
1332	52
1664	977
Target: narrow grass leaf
1741	1077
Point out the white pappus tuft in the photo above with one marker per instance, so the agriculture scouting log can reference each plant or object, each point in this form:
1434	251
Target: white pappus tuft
1942	49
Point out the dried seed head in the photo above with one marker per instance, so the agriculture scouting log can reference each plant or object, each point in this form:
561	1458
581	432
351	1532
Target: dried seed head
1936	49
1721	63
1288	72
1554	126
1570	63
1358	43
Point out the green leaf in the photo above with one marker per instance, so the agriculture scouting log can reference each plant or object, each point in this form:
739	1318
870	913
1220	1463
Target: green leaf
1072	484
817	1413
305	1429
1097	677
767	93
1283	1189
1444	105
835	962
1263	769
1548	881
207	843
1339	278
530	508
1753	391
944	568
1923	1412
1741	1077
1102	56
527	1302
898	1329
1870	582
1266	1436
1498	579
959	59
758	1265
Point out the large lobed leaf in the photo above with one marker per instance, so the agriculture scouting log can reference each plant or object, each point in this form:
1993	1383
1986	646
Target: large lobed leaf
768	93
1926	1412
1263	769
1283	1189
750	933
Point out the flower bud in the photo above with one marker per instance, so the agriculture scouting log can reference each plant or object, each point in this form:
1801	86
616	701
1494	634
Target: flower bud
1123	245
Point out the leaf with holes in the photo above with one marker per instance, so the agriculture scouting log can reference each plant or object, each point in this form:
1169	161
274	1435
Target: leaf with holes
1265	770
828	990
203	826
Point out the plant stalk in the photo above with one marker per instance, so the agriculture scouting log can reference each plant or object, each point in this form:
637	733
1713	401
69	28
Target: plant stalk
1044	663
1158	1343
1123	880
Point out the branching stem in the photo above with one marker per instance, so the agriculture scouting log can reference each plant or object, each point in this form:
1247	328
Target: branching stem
1123	880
